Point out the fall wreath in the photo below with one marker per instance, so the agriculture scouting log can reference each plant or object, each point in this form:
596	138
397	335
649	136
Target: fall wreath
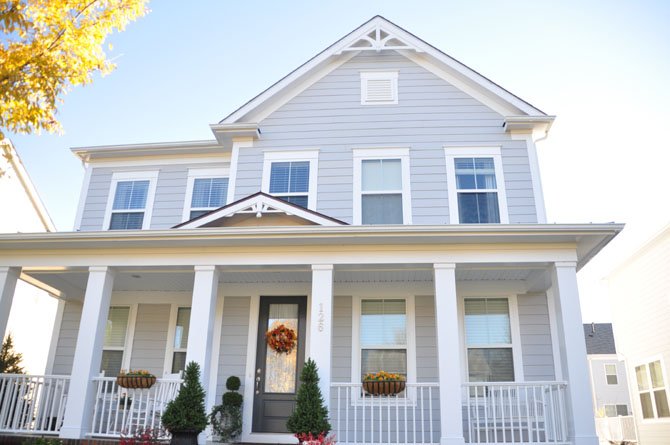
281	339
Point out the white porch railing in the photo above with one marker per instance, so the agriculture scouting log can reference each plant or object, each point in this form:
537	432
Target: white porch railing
411	417
32	403
522	413
119	411
616	429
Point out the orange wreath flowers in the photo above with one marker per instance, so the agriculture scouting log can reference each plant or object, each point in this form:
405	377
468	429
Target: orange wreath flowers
281	339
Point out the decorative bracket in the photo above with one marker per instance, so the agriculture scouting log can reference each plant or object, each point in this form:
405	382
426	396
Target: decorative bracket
377	40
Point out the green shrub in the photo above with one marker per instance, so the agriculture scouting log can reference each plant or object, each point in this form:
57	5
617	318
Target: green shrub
186	413
310	415
226	419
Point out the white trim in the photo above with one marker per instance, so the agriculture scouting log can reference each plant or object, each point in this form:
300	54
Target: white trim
252	337
130	336
410	314
555	339
151	176
311	156
494	152
372	153
367	76
536	178
199	173
55	335
216	355
172	328
159	161
234	160
83	194
517	352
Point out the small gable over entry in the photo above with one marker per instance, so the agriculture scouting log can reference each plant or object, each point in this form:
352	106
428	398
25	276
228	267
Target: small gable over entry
260	210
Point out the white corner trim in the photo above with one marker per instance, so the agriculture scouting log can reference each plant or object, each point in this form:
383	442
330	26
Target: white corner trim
310	155
130	336
234	160
55	336
252	337
553	330
475	152
216	353
196	173
536	178
117	177
402	153
83	194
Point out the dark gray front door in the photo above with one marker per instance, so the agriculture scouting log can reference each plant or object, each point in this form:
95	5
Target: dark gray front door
276	374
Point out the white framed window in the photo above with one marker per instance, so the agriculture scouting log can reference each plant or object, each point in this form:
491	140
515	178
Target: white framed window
130	201
383	336
206	190
175	356
382	186
476	186
291	176
491	339
117	343
611	374
379	87
652	390
616	410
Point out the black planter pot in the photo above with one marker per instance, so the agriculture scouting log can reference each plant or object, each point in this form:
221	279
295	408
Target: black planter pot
184	438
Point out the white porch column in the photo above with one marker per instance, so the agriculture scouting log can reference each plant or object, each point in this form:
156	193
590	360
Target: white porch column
321	324
88	353
448	347
581	423
8	277
203	311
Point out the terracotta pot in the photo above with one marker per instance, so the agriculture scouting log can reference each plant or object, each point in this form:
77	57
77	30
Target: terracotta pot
383	387
131	381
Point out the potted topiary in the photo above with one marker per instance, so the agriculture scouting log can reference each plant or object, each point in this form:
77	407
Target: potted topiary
309	421
185	416
226	419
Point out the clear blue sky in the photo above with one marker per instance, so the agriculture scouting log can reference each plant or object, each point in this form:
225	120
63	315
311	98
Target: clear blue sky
602	66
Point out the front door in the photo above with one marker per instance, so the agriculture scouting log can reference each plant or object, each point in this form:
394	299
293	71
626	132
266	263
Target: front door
277	371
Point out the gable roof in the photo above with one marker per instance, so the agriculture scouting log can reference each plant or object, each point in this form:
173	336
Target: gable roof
599	338
259	204
378	34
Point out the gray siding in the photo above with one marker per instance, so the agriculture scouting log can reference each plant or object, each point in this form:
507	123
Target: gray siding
426	339
149	342
341	342
430	113
538	358
234	339
67	338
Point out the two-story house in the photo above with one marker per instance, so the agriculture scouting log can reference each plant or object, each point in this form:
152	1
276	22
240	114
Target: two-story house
383	201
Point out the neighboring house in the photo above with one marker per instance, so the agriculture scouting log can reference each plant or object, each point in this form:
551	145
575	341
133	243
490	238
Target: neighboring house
25	212
609	384
383	201
639	291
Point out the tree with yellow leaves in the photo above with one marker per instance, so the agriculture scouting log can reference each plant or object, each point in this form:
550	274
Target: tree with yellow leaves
49	46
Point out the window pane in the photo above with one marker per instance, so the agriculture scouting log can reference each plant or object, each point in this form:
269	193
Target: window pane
383	323
475	173
182	328
209	192
289	177
111	363
382	209
610	369
661	399
647	410
280	369
117	324
490	365
178	362
300	200
612	379
478	208
656	374
381	174
279	173
299	177
610	411
389	360
196	213
487	321
622	410
641	374
130	195
126	221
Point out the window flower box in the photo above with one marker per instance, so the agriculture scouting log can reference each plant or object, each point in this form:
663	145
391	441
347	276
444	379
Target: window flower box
383	383
139	379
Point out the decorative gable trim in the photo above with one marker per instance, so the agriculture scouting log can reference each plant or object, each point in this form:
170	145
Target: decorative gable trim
379	39
260	204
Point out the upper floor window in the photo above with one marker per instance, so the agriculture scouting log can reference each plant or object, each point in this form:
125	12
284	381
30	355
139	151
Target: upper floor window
490	347
131	200
476	186
291	176
379	87
206	190
652	390
611	374
381	186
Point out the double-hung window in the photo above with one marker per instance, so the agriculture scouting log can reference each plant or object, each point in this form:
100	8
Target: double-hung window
611	374
616	410
476	186
116	331
489	340
291	176
381	186
179	339
131	201
383	336
206	190
652	390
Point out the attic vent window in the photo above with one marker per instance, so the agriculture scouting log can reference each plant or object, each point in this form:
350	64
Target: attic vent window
379	88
